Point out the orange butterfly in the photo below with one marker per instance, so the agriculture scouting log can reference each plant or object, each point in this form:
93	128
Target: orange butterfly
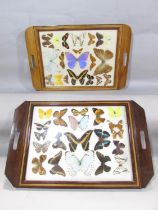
59	115
98	119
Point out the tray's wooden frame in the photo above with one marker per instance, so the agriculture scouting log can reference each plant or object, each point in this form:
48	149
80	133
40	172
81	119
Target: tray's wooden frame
34	51
141	158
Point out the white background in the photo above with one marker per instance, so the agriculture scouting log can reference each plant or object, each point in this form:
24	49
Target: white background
15	87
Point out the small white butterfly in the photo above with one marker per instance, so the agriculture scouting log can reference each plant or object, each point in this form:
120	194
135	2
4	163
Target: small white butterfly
41	147
121	161
75	165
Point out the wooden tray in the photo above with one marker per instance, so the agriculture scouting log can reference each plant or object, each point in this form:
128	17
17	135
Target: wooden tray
79	145
78	57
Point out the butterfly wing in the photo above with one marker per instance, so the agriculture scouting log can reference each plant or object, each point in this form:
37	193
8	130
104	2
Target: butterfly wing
38	135
63	112
55	160
84	111
73	163
41	113
91	39
84	140
87	163
48	113
82	76
45	146
39	126
73	141
35	169
38	147
59	144
64	43
42	158
100	41
75	112
57	170
99	145
72	76
99	170
93	60
82	60
61	58
71	60
73	122
83	124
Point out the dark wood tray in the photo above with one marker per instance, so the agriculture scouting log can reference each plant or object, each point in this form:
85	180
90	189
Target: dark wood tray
79	145
78	57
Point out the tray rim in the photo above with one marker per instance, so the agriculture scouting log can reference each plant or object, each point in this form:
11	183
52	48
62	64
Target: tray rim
78	184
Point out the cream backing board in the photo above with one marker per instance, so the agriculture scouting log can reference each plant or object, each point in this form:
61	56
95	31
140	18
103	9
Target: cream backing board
59	76
127	175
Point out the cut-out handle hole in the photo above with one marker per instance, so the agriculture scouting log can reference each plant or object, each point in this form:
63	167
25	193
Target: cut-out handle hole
16	139
125	59
32	61
142	138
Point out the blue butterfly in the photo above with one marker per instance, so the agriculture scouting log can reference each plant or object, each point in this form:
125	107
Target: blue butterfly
72	60
102	142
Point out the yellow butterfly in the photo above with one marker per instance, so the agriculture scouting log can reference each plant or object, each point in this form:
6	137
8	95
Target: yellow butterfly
44	114
114	112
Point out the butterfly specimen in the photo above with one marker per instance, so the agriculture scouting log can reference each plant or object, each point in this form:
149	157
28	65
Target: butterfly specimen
72	60
121	161
100	39
38	168
59	143
98	118
41	147
103	57
66	79
44	126
103	142
90	79
56	168
58	115
58	79
78	39
103	167
64	41
85	165
83	112
75	78
49	60
91	39
114	112
48	80
99	80
93	60
78	51
82	124
61	58
40	135
119	147
47	40
107	79
84	140
116	129
44	114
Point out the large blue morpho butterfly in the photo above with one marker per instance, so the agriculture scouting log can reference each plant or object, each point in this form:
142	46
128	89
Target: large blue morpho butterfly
72	60
103	142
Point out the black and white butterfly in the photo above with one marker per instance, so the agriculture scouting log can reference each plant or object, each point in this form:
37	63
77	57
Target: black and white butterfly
40	136
44	126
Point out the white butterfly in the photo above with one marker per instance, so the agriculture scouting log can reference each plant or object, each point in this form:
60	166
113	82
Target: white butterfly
75	165
78	39
41	147
49	60
121	161
82	124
